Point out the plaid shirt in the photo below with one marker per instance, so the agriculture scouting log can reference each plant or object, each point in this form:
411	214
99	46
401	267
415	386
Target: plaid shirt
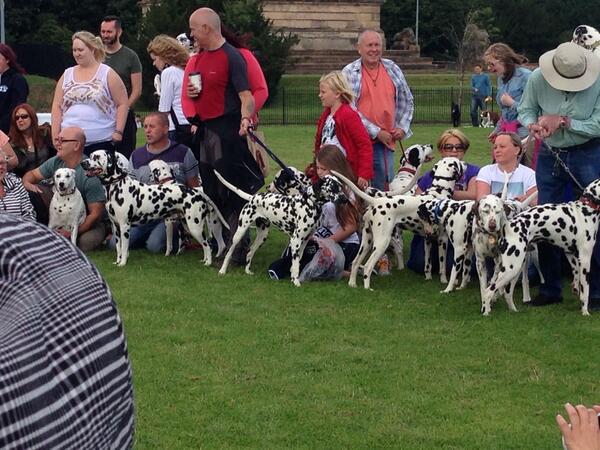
65	377
404	99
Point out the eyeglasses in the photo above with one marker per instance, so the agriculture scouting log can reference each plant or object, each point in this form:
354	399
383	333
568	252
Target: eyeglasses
21	116
454	147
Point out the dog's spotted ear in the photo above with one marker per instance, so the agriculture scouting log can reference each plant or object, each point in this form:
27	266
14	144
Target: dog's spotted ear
507	210
414	156
475	209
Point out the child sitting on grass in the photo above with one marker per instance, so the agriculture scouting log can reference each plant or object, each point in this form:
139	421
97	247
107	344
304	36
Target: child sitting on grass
338	226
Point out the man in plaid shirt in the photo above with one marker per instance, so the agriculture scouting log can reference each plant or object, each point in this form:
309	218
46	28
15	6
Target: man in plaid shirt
384	101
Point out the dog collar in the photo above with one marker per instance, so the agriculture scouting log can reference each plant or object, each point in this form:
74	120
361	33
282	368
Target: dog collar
407	169
591	203
166	180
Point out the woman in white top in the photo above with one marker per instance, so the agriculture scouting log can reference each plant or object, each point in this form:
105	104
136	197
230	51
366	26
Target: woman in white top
90	95
170	58
507	152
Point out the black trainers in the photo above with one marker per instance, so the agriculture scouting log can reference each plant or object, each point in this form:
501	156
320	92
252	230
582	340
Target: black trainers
594	304
543	300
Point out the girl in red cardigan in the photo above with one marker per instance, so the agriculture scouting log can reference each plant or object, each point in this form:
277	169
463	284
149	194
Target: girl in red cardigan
340	125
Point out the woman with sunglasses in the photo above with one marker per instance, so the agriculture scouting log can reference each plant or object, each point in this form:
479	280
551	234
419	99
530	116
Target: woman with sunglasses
512	78
451	143
30	142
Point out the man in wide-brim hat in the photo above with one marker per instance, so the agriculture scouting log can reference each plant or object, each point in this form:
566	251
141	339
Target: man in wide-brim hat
561	105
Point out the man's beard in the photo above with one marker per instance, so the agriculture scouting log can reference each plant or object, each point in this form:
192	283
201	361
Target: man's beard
109	41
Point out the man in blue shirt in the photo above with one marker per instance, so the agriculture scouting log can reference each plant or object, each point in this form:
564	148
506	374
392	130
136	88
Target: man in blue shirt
480	90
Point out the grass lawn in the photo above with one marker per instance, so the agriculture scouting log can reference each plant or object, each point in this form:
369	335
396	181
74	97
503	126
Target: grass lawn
241	361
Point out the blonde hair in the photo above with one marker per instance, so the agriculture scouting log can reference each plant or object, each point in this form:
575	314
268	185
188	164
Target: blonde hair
453	132
337	83
169	49
94	43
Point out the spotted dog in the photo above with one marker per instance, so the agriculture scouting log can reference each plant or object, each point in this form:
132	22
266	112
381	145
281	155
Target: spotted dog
67	209
588	37
384	213
162	173
450	220
130	202
489	119
290	181
295	215
571	226
410	161
491	215
404	182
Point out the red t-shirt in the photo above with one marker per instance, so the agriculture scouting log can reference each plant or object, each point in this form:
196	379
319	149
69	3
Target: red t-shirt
223	73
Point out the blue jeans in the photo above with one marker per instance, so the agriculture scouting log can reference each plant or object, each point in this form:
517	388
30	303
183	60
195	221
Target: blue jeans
152	236
552	182
382	156
477	103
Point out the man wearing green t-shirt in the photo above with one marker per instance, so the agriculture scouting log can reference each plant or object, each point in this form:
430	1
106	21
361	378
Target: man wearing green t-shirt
69	153
126	63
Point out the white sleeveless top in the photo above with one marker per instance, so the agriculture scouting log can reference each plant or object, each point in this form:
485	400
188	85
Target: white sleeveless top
89	105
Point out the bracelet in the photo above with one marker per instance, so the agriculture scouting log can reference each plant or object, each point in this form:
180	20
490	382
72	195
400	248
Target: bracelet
118	132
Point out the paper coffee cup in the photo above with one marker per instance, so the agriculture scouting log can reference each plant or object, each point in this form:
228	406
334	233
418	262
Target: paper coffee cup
196	80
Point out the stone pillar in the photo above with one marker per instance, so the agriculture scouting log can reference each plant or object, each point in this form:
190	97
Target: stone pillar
324	24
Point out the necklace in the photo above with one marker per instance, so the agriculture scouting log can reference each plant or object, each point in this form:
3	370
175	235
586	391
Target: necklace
373	79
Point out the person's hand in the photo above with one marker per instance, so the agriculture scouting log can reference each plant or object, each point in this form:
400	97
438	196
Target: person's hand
538	131
385	138
362	183
245	124
582	433
550	123
194	128
506	100
117	136
31	187
487	99
191	90
492	136
398	134
63	232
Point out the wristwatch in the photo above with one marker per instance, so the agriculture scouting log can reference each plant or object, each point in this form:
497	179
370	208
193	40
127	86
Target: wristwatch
564	122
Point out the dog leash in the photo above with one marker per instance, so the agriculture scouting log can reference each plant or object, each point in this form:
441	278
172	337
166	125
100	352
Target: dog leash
556	153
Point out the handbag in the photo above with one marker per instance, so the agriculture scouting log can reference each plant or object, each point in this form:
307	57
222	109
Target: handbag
258	153
183	132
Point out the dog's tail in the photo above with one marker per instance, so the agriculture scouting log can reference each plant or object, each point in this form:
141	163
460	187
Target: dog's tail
212	205
231	187
354	188
505	188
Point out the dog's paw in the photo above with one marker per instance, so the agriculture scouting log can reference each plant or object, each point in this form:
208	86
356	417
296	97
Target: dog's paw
248	271
296	282
222	271
352	283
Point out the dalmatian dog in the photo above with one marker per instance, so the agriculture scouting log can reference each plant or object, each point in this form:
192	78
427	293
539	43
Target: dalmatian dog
162	173
588	37
130	202
67	209
289	181
295	215
491	215
450	220
187	41
383	214
570	226
413	158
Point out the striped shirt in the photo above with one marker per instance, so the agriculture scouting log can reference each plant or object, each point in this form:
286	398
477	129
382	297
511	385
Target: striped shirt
65	376
403	99
16	199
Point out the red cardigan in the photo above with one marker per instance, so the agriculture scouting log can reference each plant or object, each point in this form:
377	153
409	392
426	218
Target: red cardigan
353	136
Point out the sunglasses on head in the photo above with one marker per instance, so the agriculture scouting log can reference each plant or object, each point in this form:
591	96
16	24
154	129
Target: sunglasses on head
457	147
21	116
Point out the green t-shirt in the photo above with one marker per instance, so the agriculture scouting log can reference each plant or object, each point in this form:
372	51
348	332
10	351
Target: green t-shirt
90	187
125	62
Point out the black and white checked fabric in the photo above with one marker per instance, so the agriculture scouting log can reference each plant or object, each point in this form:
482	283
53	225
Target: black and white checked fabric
65	376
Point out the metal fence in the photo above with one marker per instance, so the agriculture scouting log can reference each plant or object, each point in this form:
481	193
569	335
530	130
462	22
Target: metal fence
301	106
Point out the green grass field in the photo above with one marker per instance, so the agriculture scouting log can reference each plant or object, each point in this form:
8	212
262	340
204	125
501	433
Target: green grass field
241	361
